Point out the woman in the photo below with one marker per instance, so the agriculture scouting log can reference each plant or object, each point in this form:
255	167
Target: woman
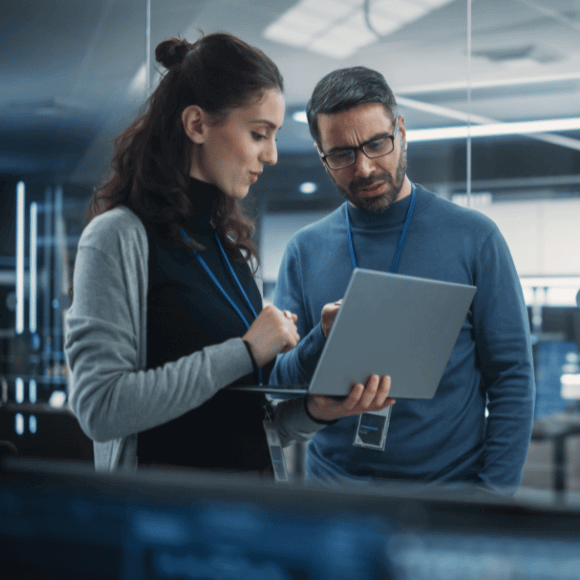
165	308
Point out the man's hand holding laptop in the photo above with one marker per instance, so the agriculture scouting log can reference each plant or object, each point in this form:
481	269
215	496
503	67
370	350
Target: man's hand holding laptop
372	396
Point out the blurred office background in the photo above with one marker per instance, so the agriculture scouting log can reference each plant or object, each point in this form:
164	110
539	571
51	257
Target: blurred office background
490	92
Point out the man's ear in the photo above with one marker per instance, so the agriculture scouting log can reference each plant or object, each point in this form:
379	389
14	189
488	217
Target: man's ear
402	131
194	123
319	155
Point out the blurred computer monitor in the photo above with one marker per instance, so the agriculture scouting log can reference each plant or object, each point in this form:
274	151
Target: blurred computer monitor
61	521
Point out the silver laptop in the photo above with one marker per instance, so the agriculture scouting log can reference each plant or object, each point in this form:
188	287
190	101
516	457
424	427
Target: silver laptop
388	324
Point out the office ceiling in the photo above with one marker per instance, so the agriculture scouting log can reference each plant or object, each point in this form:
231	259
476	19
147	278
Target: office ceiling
69	69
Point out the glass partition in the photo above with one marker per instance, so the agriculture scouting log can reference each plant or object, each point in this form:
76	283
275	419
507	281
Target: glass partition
489	90
525	82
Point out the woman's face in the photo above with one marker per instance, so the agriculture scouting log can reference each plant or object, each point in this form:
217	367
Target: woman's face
232	154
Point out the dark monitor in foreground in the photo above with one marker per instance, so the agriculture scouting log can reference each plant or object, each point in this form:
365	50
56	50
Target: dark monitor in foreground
63	521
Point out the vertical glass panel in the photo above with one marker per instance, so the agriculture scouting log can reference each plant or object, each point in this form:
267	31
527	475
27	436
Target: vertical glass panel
526	85
429	74
526	91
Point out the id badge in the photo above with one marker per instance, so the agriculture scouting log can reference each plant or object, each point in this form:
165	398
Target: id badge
276	453
371	431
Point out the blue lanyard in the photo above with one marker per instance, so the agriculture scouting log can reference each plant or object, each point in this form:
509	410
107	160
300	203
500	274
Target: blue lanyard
204	265
402	235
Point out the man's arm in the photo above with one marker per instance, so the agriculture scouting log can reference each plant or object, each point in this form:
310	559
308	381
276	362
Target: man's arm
502	334
300	419
296	366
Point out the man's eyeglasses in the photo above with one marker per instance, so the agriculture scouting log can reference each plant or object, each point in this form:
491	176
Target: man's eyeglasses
372	149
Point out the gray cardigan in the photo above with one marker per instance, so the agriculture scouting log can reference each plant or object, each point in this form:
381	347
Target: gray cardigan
112	395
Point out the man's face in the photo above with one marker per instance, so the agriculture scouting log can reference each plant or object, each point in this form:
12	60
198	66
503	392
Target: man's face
370	184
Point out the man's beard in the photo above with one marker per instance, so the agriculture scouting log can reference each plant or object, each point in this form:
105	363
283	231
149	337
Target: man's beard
383	201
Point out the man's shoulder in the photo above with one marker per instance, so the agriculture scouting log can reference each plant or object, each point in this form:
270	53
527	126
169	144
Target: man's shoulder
448	211
322	227
114	228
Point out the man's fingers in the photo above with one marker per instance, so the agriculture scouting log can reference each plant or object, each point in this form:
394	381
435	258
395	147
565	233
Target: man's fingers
383	390
370	392
354	396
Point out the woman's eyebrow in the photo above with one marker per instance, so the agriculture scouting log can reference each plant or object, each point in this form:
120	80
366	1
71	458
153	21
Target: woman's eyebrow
267	122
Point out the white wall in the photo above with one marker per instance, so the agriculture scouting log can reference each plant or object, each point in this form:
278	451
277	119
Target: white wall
544	239
276	229
543	236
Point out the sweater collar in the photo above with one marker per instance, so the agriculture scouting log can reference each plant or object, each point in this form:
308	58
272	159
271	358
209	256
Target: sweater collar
203	197
394	215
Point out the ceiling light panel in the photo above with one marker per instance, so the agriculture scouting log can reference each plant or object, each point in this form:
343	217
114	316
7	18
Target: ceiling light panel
384	25
308	20
494	129
397	9
329	9
344	39
338	28
431	4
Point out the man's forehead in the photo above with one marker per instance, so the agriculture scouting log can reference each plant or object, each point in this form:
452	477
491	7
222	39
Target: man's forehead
358	122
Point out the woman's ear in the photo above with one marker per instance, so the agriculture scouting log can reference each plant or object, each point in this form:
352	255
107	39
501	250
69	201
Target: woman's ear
194	123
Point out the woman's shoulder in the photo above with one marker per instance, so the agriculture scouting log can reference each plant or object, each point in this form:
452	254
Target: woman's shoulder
114	228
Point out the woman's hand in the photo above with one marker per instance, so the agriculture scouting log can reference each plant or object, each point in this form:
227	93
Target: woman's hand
273	332
374	396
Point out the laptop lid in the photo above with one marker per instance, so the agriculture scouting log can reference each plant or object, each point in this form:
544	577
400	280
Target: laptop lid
390	324
396	325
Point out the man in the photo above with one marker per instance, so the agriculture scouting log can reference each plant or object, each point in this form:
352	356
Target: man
476	429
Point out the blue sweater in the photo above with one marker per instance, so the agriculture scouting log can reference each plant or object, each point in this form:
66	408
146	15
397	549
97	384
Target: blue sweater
447	439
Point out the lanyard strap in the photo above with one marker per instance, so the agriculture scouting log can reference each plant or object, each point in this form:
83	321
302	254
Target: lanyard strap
217	284
236	280
402	235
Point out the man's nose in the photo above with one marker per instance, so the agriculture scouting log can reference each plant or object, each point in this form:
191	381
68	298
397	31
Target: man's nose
363	166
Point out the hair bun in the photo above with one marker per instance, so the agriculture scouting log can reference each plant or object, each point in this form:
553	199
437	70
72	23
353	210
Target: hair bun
172	51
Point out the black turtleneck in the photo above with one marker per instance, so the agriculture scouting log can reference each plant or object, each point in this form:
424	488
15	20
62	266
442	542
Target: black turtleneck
185	313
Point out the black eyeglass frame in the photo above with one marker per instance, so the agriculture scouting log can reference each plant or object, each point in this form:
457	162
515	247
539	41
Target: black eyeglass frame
362	148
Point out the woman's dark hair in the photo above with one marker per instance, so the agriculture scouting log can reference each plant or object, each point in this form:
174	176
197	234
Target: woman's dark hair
346	88
152	157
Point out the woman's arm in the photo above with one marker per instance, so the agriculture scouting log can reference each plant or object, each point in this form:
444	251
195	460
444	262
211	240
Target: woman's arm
112	395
